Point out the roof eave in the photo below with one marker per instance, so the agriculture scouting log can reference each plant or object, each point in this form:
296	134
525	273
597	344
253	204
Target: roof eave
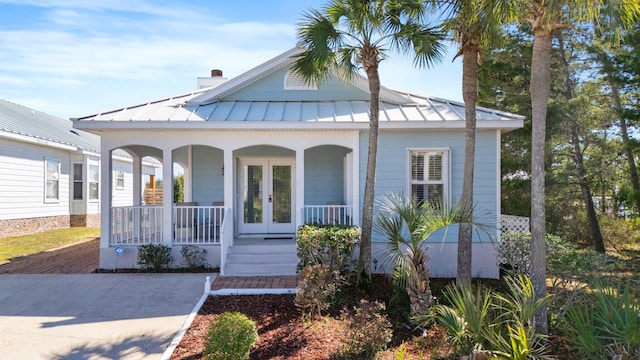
505	125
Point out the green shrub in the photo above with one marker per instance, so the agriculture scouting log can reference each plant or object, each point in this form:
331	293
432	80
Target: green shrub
488	321
194	257
327	244
513	253
607	324
316	287
566	259
154	257
619	233
368	330
230	337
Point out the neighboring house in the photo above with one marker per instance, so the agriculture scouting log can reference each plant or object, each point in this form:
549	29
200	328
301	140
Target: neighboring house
264	153
50	173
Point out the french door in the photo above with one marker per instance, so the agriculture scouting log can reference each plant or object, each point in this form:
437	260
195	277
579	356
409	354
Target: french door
267	196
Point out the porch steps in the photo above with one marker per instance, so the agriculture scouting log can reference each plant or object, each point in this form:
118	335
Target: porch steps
263	257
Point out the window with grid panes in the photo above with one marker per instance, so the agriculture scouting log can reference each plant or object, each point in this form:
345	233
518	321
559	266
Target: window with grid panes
94	178
429	176
78	177
52	180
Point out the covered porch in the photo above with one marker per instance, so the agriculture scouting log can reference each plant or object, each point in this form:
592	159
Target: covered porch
261	185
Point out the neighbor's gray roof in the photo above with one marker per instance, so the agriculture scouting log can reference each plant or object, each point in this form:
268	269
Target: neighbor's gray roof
21	120
181	108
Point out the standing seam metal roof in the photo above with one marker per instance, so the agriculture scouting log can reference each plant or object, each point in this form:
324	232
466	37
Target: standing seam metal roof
21	120
341	111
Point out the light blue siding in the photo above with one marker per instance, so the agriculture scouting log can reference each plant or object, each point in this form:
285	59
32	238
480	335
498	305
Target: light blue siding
393	170
324	175
208	182
271	88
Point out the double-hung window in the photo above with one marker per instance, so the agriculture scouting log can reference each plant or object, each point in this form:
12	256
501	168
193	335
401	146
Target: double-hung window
52	180
94	178
78	177
120	179
430	176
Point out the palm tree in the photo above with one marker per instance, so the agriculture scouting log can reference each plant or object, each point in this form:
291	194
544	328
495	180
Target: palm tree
407	226
349	35
476	24
545	18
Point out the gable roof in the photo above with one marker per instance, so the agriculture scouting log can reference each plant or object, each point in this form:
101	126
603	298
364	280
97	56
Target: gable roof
211	108
23	123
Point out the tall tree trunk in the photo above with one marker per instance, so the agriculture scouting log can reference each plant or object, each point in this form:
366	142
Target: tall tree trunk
578	158
594	226
364	259
540	88
470	97
626	144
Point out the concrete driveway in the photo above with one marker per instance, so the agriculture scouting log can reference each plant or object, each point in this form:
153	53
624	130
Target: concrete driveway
94	316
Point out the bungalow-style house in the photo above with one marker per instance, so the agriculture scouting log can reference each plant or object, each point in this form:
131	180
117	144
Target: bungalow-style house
264	153
49	173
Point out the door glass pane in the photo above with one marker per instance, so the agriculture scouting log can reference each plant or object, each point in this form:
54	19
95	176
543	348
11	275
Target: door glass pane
281	194
253	183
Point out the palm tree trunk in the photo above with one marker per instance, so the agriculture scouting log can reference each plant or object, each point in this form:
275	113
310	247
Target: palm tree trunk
364	259
540	88
470	97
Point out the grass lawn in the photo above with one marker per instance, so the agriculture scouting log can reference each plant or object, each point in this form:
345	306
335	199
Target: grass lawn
16	246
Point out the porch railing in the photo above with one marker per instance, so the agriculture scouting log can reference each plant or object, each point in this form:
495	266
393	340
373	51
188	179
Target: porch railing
136	225
328	214
197	224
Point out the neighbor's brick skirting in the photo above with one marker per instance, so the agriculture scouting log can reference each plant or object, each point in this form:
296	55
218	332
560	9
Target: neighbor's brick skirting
17	227
91	220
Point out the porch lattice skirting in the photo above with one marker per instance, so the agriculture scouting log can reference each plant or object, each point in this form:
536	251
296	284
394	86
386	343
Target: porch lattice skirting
511	223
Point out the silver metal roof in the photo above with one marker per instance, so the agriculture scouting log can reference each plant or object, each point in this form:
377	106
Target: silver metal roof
20	120
180	109
214	108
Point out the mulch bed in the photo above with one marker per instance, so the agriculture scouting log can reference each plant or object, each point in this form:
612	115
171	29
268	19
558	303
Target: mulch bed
285	334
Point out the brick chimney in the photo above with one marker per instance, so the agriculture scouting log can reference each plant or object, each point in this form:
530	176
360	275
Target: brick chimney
215	79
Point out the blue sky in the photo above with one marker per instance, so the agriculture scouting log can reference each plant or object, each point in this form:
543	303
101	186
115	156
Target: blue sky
72	58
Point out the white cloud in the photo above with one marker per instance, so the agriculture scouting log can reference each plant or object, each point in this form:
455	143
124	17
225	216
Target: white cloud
77	57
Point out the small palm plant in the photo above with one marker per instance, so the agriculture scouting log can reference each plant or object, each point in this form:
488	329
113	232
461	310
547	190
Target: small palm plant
493	323
407	226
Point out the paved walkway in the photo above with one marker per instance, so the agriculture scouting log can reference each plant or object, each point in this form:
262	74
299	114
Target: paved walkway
94	316
79	258
254	282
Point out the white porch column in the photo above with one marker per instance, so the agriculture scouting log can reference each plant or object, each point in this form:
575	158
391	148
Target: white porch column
229	170
137	180
106	169
167	196
188	184
299	187
355	179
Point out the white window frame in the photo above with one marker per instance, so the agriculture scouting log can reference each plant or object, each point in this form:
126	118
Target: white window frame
293	81
78	181
446	172
56	178
120	177
91	181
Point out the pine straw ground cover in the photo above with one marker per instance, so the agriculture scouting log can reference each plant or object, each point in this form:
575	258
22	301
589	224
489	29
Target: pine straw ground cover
285	334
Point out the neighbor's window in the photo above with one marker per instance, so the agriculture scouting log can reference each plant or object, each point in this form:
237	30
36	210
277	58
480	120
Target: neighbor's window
429	176
52	178
77	181
120	179
94	178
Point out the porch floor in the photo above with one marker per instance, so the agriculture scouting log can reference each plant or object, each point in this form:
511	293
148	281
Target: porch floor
254	282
